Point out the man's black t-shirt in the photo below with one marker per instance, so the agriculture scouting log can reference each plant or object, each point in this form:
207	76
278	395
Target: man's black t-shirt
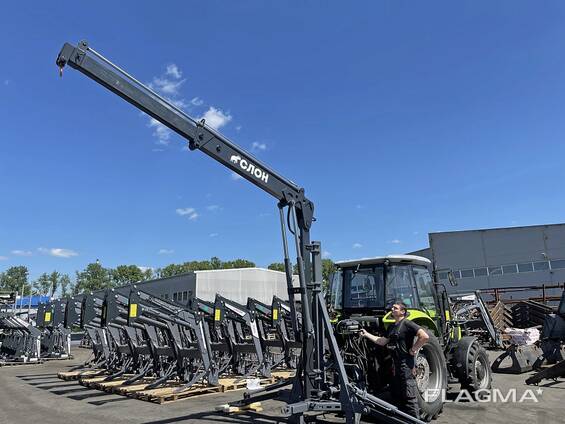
401	339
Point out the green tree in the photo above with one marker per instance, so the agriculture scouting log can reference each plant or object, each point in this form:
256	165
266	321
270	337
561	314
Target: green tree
93	277
127	274
328	267
148	274
171	270
48	284
54	279
238	263
66	285
14	278
277	266
215	263
42	284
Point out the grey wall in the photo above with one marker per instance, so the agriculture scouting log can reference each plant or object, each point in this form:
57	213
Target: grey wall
475	250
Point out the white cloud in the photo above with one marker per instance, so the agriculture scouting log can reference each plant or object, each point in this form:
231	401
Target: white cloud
395	241
58	252
197	101
166	86
185	211
216	118
357	245
174	71
256	147
238	128
235	176
170	82
3	258
214	234
213	208
326	254
21	252
161	132
165	251
189	212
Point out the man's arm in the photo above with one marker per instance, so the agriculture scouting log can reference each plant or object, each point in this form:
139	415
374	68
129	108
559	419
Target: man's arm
381	341
423	338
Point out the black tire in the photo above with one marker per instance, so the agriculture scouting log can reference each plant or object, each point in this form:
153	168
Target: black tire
472	367
431	378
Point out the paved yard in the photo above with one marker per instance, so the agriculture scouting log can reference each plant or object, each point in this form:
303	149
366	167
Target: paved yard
34	394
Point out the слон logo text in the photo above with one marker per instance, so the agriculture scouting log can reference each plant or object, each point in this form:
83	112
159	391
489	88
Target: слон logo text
250	168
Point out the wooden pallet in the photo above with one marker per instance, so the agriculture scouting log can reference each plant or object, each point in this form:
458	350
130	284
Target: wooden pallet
175	393
91	381
238	383
75	375
131	390
282	374
171	394
109	386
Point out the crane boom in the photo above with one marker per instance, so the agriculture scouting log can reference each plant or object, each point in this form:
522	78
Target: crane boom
199	135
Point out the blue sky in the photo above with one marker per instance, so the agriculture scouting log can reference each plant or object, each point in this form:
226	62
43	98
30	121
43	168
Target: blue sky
399	119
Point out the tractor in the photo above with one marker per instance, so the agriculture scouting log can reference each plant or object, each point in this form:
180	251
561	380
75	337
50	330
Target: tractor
360	295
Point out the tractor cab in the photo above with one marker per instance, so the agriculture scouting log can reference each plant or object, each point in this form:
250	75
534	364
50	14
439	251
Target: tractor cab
369	287
361	294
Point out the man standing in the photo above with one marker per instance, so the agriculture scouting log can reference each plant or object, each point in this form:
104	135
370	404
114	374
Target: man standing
400	342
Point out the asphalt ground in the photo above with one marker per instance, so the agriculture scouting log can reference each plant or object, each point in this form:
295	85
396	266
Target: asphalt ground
34	394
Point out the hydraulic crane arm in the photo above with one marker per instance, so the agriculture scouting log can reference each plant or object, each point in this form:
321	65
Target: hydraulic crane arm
199	135
320	356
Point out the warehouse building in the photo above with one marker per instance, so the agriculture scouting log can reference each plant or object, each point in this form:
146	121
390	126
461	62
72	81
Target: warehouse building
500	257
234	284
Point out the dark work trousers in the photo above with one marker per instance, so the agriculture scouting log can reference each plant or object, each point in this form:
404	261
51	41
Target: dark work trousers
404	389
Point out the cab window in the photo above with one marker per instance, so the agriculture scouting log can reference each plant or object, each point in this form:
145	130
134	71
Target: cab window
399	286
424	286
364	288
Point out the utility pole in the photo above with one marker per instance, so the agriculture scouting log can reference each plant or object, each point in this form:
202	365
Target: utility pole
22	298
29	307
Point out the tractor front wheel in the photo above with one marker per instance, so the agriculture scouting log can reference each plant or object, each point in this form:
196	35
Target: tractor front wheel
472	367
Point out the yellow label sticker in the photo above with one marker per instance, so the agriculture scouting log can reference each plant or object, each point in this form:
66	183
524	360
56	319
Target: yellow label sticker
275	314
47	316
217	315
133	310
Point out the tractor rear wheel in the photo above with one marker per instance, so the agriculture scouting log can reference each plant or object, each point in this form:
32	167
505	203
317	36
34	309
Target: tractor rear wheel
431	378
